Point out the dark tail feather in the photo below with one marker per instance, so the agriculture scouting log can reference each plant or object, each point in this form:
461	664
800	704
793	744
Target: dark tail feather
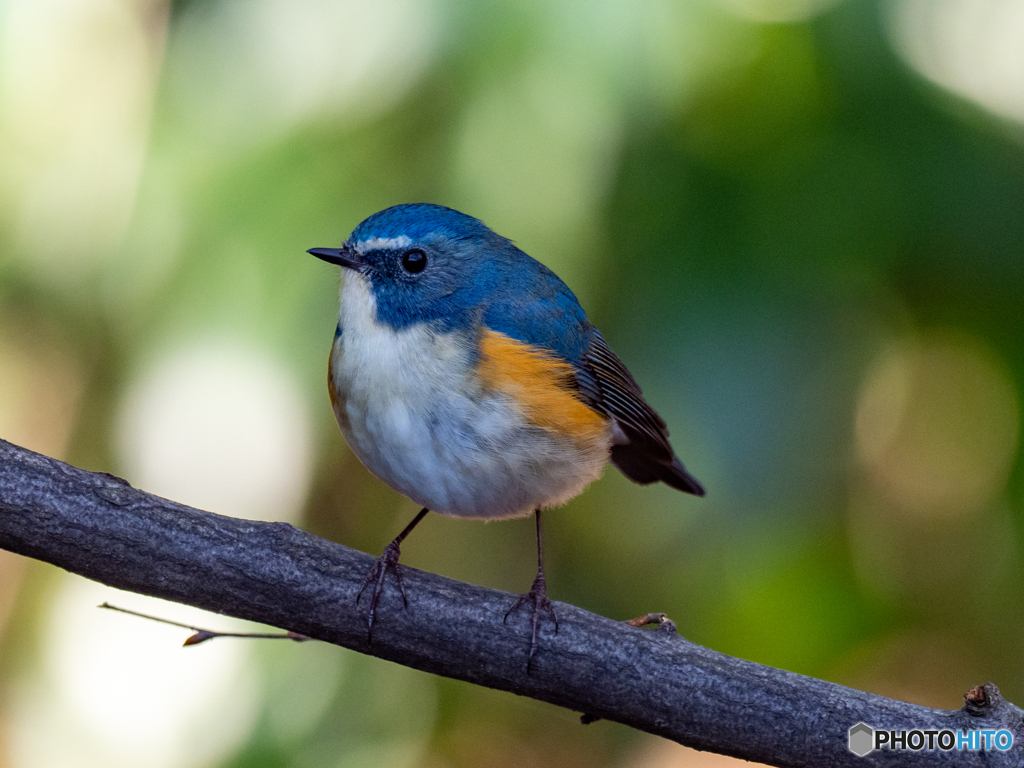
677	476
638	466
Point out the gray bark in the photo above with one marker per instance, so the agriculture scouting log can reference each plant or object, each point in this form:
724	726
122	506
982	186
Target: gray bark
98	526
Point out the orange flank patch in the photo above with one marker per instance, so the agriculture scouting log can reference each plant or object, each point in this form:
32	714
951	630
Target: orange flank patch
541	383
331	390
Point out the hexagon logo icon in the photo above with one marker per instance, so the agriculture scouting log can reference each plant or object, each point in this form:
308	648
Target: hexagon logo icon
862	738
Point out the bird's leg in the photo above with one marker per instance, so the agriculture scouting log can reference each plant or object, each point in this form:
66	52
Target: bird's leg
538	597
387	560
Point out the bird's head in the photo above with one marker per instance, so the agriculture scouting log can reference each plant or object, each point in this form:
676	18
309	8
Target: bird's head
428	263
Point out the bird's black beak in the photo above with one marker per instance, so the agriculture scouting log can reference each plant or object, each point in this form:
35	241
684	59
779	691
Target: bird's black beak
343	257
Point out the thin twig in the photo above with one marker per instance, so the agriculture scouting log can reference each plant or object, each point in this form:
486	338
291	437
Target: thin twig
202	635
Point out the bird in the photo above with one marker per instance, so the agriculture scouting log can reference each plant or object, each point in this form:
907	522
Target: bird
466	375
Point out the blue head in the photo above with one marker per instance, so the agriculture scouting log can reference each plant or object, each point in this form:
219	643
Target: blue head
428	263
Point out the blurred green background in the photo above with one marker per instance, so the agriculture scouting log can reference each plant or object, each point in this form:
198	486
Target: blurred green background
799	222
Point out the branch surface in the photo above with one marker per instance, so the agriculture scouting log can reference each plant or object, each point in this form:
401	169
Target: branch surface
98	526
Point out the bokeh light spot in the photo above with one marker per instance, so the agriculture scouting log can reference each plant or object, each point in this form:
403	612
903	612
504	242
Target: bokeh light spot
971	47
535	157
121	691
268	64
937	425
76	92
220	427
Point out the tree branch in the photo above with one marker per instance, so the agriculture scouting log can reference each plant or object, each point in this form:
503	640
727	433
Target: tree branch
98	526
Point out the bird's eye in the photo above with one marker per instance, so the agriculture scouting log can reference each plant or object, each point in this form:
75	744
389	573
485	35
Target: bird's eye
414	261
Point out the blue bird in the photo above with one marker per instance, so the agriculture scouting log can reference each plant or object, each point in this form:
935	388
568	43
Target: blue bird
466	376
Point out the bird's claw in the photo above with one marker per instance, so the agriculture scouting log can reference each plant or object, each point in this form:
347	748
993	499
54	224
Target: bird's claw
387	561
538	597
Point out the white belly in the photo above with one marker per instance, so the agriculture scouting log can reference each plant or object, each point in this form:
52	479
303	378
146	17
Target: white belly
414	413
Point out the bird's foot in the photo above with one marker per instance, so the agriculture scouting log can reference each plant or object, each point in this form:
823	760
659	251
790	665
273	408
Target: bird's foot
538	598
387	561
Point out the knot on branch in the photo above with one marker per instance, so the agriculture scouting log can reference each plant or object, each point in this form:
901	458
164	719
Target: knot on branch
983	700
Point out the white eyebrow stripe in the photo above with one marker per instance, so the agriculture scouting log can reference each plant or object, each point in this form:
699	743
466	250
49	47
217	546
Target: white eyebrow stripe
382	244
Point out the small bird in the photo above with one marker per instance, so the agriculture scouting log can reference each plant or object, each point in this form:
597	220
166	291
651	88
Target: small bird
465	375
